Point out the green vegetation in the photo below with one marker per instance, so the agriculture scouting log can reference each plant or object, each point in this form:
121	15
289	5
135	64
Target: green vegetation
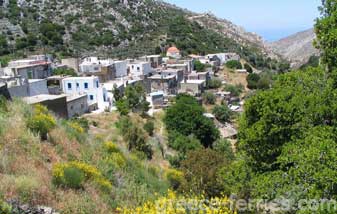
209	98
65	71
222	113
234	64
134	100
200	67
235	90
186	117
259	81
248	68
214	83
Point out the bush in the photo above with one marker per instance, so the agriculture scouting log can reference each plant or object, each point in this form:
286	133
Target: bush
65	71
175	178
26	188
89	172
209	98
149	127
183	143
214	83
110	147
5	208
222	113
252	80
224	147
234	64
235	90
73	178
41	122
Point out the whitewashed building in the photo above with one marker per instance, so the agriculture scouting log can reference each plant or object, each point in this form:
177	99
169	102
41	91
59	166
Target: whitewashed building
97	95
139	68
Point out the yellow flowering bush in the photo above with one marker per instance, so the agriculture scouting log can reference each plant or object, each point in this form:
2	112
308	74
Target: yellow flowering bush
110	147
174	204
41	121
77	127
90	173
175	177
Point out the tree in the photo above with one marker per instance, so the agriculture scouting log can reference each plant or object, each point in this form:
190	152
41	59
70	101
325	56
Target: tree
222	113
186	117
183	143
252	80
199	67
297	102
234	64
134	100
200	170
134	136
248	68
209	98
326	34
65	71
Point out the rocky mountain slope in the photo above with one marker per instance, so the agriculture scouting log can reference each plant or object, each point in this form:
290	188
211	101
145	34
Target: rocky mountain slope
119	28
297	48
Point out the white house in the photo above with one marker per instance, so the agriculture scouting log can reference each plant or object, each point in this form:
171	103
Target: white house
140	68
95	65
224	57
91	86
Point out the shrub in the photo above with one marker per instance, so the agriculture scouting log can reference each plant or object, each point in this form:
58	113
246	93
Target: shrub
5	208
110	147
90	173
224	147
235	90
209	98
252	80
175	178
222	113
149	127
73	177
234	64
214	83
41	122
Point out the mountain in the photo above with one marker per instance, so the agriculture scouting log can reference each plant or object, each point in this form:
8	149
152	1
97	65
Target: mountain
120	28
297	48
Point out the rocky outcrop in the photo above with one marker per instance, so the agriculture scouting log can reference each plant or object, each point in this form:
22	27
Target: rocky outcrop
18	208
297	48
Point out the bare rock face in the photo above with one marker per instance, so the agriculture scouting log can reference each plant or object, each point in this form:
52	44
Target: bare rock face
296	48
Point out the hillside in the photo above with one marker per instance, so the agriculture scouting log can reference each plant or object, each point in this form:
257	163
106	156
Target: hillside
297	48
118	29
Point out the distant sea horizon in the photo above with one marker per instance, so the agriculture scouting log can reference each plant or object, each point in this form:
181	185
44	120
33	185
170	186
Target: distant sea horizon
272	35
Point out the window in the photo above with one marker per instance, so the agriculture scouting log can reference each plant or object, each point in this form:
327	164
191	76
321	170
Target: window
97	84
133	66
86	85
77	85
138	68
91	97
69	85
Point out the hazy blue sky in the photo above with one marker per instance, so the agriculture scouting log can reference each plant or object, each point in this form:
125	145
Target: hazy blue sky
272	19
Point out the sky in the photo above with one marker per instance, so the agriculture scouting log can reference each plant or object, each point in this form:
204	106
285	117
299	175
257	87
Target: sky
272	19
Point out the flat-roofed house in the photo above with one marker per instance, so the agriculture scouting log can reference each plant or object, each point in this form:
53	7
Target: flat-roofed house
29	69
167	83
154	60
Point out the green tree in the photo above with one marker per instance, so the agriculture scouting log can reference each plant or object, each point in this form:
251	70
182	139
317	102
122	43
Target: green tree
214	83
222	113
235	90
149	127
200	67
183	143
65	71
326	34
186	117
252	80
297	102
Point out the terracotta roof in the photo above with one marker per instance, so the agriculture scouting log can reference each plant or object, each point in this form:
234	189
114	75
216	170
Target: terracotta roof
173	50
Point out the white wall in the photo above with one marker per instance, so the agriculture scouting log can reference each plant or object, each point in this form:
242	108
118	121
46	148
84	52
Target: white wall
94	90
142	68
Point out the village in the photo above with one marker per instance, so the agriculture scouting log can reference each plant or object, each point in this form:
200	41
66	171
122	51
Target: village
91	91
